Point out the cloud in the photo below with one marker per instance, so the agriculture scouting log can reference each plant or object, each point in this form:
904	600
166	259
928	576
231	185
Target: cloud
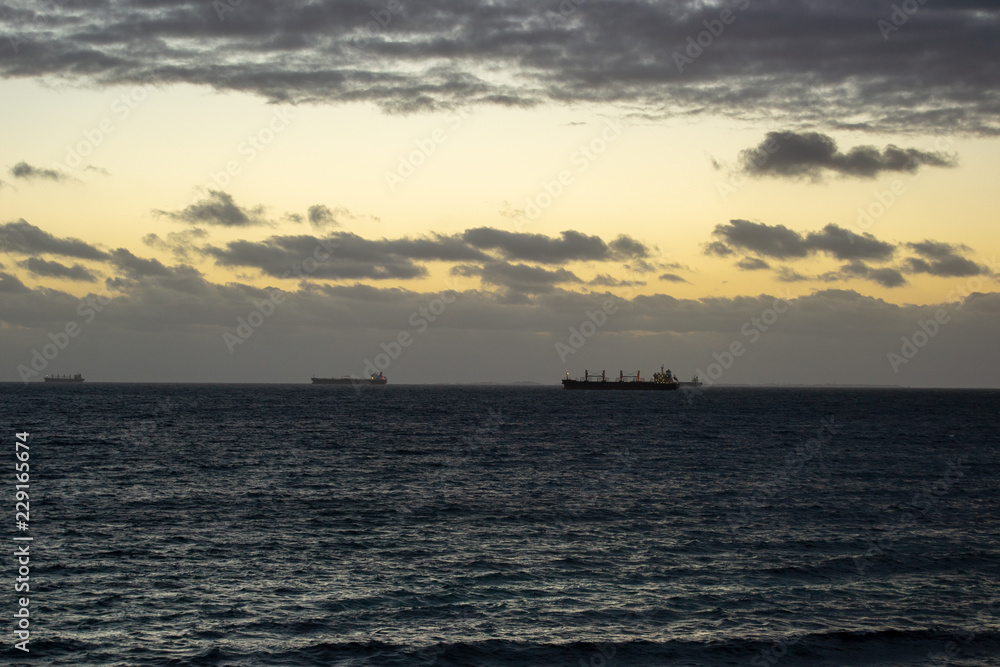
25	238
137	267
218	208
606	280
752	264
10	284
811	62
775	241
319	215
788	275
672	278
340	256
942	259
25	171
45	268
886	276
181	244
518	278
571	246
811	154
780	242
844	244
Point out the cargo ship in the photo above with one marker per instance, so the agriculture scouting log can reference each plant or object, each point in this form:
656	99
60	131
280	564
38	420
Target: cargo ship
662	381
63	378
373	379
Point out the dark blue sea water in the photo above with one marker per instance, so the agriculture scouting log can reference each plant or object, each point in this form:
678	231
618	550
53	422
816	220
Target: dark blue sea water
301	525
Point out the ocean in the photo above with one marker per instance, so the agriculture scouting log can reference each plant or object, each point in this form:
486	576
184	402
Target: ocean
482	525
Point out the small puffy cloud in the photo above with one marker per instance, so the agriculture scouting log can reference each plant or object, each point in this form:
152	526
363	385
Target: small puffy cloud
27	172
180	244
886	276
811	154
219	209
775	241
718	248
672	278
321	216
844	244
49	269
518	278
941	259
787	275
752	264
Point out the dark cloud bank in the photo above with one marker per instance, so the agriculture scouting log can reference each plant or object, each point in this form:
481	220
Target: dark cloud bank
823	63
764	242
168	323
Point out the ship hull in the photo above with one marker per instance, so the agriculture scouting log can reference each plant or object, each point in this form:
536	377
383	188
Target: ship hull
585	385
64	380
352	381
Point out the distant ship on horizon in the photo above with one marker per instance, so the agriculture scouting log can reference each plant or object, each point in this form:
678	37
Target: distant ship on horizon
63	378
373	379
665	380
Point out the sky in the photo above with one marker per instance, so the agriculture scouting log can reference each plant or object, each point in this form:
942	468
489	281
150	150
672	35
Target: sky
756	191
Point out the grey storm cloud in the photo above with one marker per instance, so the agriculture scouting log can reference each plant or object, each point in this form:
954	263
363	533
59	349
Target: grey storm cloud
219	209
25	238
812	62
571	246
25	171
811	154
49	269
780	242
